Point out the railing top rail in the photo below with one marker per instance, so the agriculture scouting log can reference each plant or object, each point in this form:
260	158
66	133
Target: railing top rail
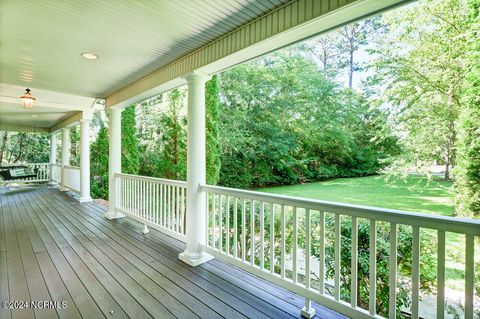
153	179
71	167
17	164
451	224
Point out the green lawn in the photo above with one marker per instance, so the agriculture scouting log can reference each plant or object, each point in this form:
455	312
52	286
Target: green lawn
416	194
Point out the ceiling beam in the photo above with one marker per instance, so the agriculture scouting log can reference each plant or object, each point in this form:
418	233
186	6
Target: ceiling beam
23	128
296	21
72	120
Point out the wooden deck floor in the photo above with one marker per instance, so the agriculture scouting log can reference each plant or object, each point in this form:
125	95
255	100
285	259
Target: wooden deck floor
54	249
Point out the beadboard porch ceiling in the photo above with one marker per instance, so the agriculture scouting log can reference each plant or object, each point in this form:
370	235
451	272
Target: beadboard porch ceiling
143	47
42	40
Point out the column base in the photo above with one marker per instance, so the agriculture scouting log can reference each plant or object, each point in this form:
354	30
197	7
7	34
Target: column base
197	261
63	189
113	215
85	199
307	313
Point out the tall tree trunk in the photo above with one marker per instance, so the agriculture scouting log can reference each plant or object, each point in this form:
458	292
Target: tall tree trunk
350	71
447	166
4	146
20	147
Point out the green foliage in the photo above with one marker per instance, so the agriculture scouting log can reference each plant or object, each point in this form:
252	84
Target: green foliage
212	119
130	152
420	66
24	147
467	183
100	149
75	145
99	161
283	122
173	156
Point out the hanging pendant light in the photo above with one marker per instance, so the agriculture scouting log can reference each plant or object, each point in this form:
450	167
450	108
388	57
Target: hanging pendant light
27	99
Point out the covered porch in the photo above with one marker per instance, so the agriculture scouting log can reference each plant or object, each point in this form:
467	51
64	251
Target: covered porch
53	248
167	248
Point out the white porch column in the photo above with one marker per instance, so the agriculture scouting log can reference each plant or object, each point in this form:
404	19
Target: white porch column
114	160
196	171
53	156
65	156
85	160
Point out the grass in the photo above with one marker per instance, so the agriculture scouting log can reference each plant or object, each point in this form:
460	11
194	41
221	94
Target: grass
415	193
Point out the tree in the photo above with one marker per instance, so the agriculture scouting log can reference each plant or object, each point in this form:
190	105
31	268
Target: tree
173	156
326	50
99	161
353	37
421	65
149	131
212	108
24	147
467	182
4	145
130	153
283	122
75	145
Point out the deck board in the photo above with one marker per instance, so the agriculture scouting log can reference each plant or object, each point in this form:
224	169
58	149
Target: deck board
35	282
17	281
54	248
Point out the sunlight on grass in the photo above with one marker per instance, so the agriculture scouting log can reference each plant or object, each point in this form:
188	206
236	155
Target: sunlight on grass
416	194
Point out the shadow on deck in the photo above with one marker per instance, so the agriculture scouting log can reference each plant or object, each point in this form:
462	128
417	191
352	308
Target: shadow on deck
53	248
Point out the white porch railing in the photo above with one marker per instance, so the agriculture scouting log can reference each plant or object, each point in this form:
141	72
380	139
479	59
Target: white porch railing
56	173
40	169
239	224
158	203
71	178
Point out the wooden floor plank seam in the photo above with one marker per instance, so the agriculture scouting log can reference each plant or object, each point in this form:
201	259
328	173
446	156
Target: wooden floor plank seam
279	315
147	283
226	305
275	313
66	249
107	240
133	309
35	279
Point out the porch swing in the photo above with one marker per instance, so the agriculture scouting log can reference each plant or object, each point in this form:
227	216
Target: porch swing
18	172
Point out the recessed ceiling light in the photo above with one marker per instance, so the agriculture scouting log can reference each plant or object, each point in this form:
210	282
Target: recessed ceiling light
89	55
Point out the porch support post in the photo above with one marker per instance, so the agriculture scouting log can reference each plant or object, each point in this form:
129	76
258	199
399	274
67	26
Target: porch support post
114	161
196	171
65	156
85	160
53	156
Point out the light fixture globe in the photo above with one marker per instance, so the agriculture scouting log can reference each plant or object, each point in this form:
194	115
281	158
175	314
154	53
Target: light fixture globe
27	99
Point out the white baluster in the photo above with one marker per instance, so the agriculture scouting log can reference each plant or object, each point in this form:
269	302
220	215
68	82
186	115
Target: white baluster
307	311
262	235
392	298
283	239
469	276
415	272
337	251
373	268
321	258
354	265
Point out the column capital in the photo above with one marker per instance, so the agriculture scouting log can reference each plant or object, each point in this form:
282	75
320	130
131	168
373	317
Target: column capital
115	111
85	120
197	76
